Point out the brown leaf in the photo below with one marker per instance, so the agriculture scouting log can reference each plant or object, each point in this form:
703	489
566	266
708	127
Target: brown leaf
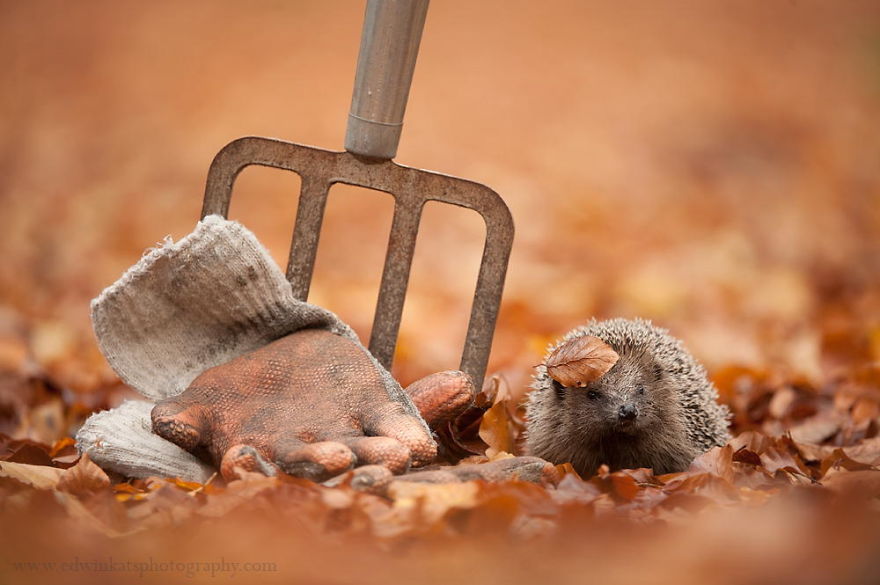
716	461
865	410
433	500
498	430
39	476
624	486
838	459
64	453
46	421
573	489
62	447
782	457
867	451
85	516
781	402
237	493
24	451
743	455
580	361
84	477
815	429
866	481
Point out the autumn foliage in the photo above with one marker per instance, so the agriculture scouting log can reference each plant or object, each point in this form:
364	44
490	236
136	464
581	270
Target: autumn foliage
712	168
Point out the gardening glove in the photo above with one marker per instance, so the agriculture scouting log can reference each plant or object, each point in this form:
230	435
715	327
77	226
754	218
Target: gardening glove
311	404
216	295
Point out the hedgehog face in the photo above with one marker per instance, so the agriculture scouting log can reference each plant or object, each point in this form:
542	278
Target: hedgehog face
623	400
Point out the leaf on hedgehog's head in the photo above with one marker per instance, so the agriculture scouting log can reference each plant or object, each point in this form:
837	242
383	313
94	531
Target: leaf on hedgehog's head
581	360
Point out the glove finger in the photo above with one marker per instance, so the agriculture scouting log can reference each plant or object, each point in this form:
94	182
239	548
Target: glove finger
385	451
443	396
180	422
316	461
244	458
408	430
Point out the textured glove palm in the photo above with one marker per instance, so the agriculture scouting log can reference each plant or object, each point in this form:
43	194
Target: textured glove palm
312	404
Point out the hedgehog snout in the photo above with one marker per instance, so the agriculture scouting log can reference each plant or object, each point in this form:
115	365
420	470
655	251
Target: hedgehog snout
627	412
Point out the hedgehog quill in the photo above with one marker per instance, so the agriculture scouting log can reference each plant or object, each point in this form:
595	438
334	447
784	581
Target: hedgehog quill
642	401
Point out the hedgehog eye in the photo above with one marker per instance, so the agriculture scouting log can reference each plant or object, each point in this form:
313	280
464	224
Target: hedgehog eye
592	395
640	390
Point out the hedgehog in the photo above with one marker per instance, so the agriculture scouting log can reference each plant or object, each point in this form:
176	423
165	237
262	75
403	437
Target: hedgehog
655	407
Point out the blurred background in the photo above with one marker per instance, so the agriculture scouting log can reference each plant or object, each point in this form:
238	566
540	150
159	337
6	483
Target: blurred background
712	166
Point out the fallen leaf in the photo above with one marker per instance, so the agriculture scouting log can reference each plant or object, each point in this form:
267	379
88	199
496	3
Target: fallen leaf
743	455
83	478
838	459
85	517
39	476
865	410
775	458
622	486
62	446
582	360
865	481
433	500
867	451
497	430
782	402
189	486
46	421
717	461
573	489
815	429
125	492
26	450
238	493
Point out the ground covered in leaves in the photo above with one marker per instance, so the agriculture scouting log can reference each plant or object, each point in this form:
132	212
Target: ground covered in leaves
711	168
796	506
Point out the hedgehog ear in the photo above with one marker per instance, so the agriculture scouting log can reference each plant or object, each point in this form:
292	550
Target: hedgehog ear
658	372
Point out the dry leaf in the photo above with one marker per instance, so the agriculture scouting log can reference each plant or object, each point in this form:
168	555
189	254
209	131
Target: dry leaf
84	477
189	486
433	500
62	446
39	476
866	481
867	451
25	451
815	429
85	516
580	361
46	421
497	429
717	461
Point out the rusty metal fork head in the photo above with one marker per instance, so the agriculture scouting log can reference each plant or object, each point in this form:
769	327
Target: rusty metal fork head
389	46
411	188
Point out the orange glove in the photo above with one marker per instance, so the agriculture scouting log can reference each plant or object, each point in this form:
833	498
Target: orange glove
311	404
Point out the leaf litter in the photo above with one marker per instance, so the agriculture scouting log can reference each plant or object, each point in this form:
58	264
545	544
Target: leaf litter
757	476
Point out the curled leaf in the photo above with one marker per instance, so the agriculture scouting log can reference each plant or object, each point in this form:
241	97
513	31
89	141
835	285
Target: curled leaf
83	478
497	429
580	361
